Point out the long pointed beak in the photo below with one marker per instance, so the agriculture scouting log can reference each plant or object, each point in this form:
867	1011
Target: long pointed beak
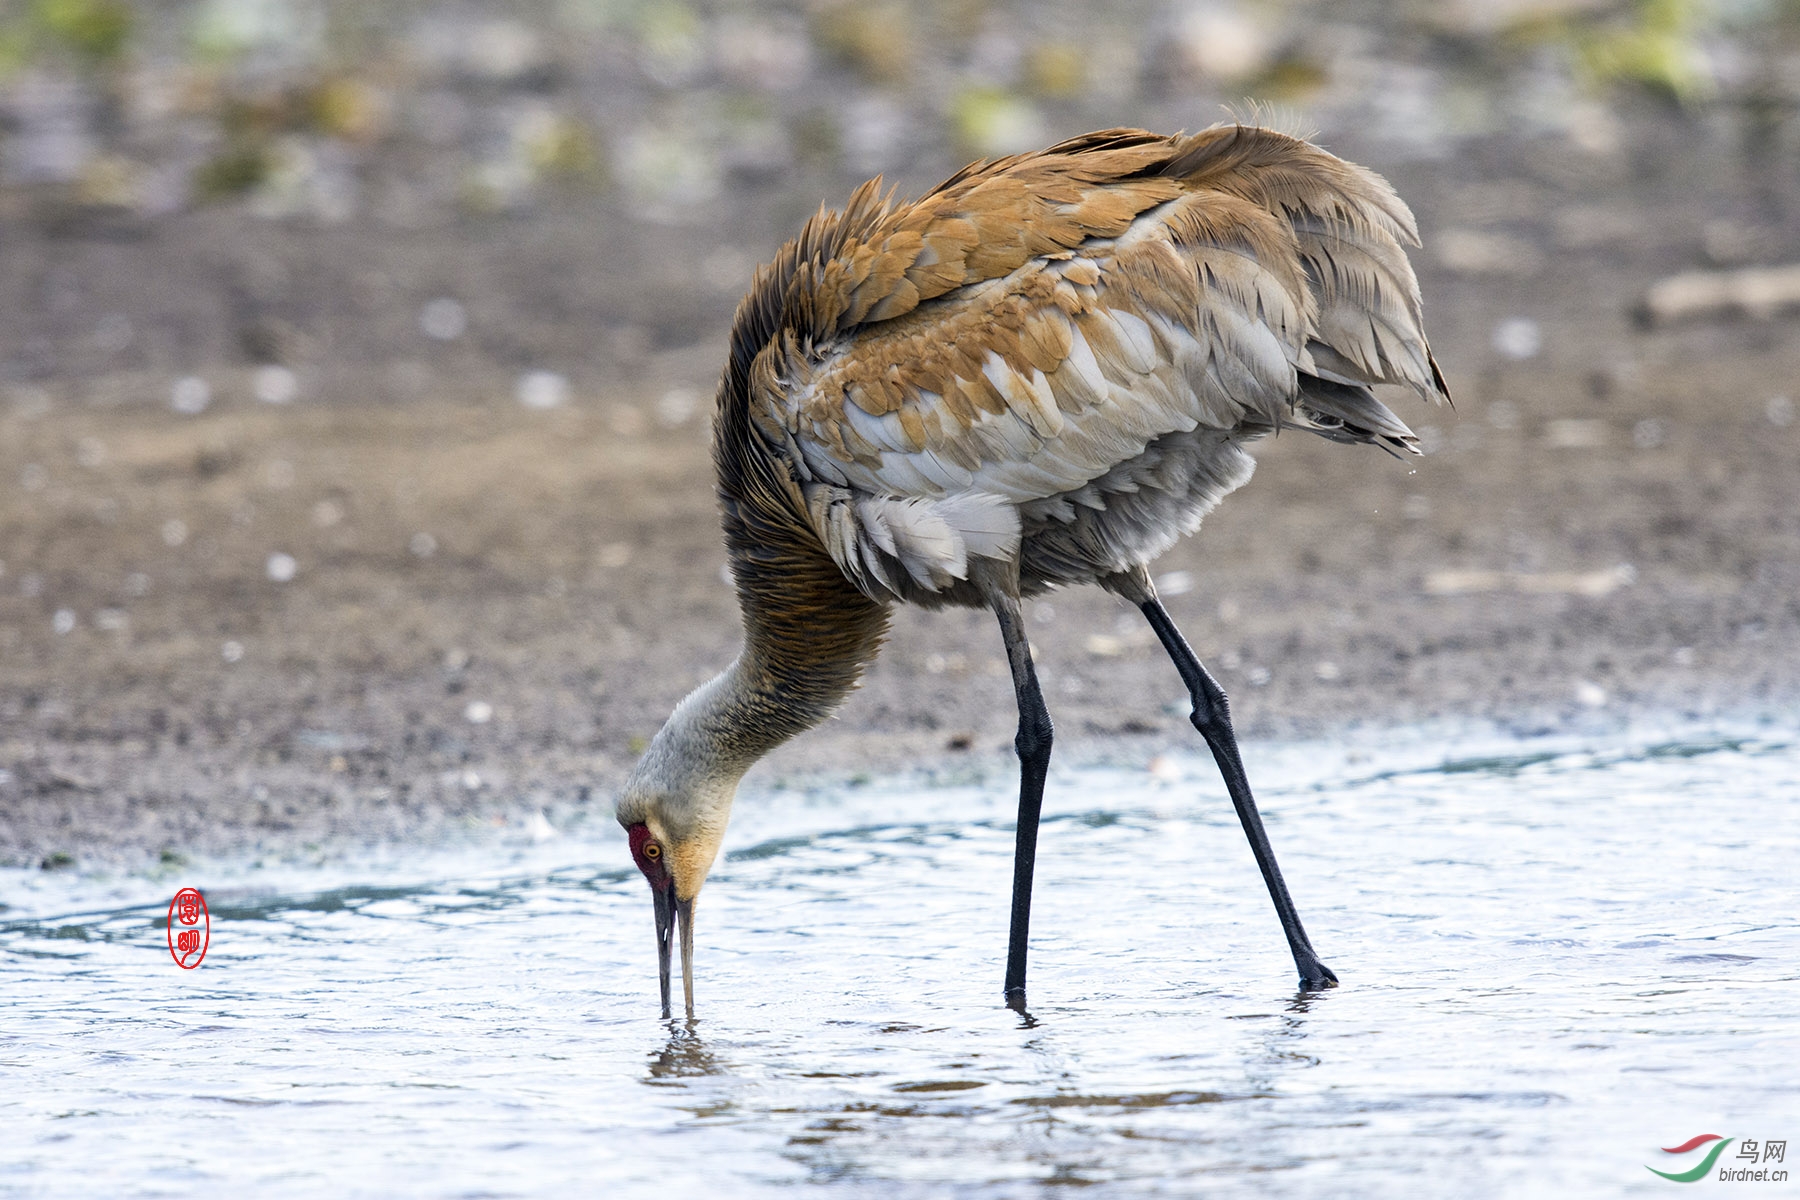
671	912
665	922
684	909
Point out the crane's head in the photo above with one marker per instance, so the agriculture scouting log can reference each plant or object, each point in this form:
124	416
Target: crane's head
676	803
674	832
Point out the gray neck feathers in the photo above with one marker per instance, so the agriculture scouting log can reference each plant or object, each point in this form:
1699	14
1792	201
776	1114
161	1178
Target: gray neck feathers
714	735
717	733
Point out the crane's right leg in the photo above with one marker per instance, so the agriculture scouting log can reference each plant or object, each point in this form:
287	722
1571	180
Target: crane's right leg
1212	717
1033	745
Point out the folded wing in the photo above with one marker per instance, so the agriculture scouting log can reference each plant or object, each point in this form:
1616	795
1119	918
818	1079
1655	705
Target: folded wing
1015	335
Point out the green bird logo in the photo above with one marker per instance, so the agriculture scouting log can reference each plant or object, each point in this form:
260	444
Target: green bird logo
1706	1164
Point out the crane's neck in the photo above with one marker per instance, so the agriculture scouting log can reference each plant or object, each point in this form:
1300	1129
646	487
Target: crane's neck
807	636
802	655
807	630
728	723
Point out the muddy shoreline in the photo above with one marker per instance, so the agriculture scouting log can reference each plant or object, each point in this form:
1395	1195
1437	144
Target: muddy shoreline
176	698
403	605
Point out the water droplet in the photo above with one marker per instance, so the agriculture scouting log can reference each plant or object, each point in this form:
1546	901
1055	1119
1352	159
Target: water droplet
1780	411
1175	583
479	712
174	532
677	406
90	452
1105	645
190	395
327	513
1325	672
1518	338
443	319
137	584
423	545
542	390
1590	694
275	384
1575	433
282	567
64	620
232	651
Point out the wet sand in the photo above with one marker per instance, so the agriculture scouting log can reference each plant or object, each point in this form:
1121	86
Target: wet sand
492	607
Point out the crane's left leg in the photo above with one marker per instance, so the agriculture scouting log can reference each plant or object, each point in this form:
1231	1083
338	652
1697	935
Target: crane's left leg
1212	717
1033	746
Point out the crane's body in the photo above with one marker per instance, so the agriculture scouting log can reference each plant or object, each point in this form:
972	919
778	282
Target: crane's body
1043	373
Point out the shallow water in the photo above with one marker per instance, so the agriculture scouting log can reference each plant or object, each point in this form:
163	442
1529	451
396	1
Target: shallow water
1556	957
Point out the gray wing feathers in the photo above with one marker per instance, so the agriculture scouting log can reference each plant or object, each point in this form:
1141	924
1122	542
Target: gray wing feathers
1370	312
1346	413
1183	325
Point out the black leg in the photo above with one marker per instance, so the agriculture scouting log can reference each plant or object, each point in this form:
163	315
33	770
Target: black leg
1212	717
1033	745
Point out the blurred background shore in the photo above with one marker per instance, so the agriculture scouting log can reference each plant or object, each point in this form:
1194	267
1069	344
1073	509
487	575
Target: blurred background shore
355	365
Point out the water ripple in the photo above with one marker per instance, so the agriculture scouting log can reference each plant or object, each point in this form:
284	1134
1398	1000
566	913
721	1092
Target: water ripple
1556	958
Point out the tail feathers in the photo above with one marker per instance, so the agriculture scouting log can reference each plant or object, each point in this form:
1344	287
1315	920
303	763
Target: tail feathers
1346	413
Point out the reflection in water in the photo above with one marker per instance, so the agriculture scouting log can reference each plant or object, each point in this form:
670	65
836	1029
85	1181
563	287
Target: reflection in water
1548	963
683	1055
1304	999
1285	1042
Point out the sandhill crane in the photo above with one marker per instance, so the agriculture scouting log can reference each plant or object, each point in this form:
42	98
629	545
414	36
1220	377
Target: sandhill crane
1044	372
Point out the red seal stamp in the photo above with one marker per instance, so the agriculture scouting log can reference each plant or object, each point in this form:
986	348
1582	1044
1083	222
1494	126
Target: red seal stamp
190	928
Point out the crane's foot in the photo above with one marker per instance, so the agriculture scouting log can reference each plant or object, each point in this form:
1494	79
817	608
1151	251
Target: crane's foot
1015	999
1315	976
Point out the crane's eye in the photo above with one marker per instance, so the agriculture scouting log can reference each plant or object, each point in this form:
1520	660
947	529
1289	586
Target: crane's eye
652	851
